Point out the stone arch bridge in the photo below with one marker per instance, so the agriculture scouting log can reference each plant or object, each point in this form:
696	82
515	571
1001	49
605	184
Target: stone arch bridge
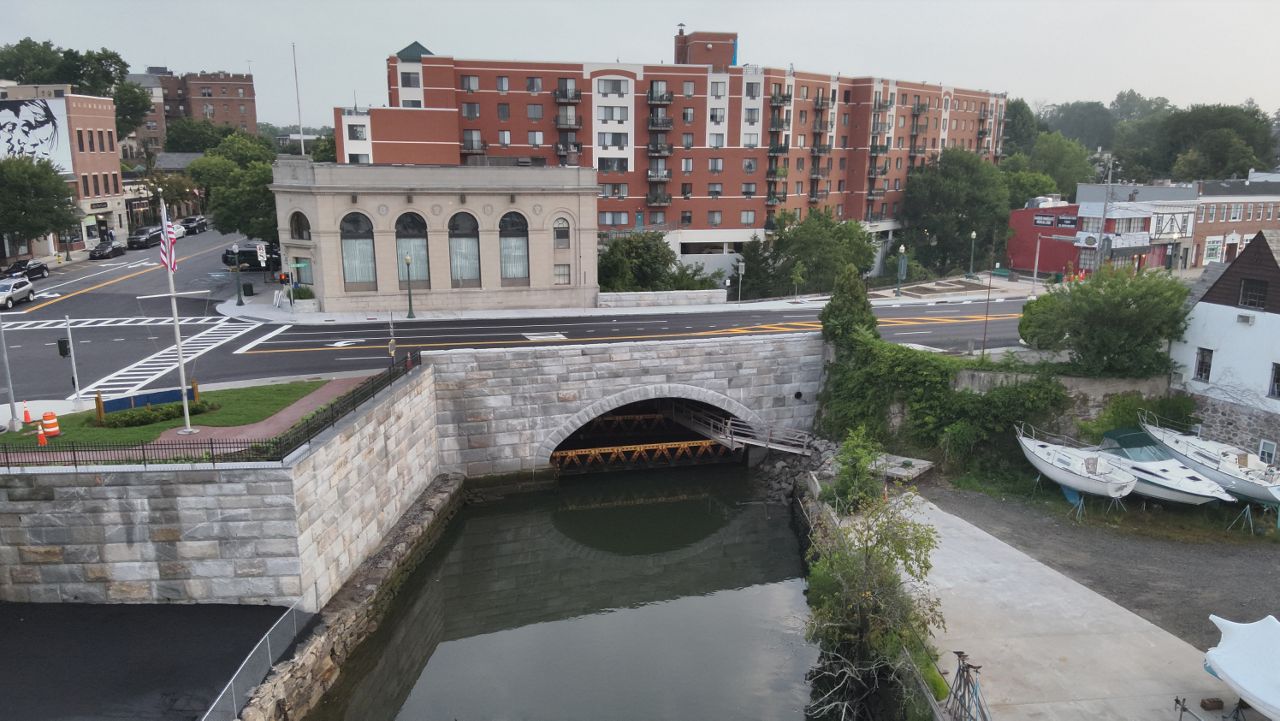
505	410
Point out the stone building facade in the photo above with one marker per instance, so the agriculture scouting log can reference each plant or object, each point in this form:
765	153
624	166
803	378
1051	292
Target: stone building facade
475	237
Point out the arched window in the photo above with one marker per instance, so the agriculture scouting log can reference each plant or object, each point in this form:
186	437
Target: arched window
560	229
299	227
358	270
513	240
464	251
411	243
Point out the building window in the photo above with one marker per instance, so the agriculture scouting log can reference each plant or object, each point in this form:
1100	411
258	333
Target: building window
206	92
115	183
1213	212
613	165
686	115
299	227
753	90
410	103
1253	293
717	89
658	217
717	140
1236	208
614	218
715	190
302	271
750	140
686	217
687	140
504	83
102	145
748	190
513	247
464	251
713	218
717	116
359	272
411	243
560	231
1204	364
470	83
613	190
715	165
1273	389
688	88
533	111
504	111
686	190
617	140
535	138
96	190
748	165
616	113
611	87
686	165
357	132
1267	451
240	92
1248	212
748	217
84	186
561	273
410	80
470	111
504	138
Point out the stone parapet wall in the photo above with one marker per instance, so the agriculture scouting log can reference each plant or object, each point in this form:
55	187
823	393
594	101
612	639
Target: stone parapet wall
1088	395
505	410
662	298
1240	425
217	536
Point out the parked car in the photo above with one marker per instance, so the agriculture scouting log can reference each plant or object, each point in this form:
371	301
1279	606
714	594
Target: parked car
27	269
195	224
178	231
106	249
144	237
248	259
15	290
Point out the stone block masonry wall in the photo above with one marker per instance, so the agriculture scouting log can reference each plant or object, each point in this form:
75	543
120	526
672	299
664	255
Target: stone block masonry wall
224	536
1089	396
662	298
505	410
1240	425
358	481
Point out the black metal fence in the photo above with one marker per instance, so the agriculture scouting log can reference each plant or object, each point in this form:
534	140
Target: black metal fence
211	450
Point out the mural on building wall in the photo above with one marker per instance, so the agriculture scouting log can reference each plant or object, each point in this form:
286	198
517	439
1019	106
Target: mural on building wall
37	129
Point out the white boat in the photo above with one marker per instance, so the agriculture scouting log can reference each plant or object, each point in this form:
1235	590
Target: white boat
1246	659
1240	472
1159	474
1080	469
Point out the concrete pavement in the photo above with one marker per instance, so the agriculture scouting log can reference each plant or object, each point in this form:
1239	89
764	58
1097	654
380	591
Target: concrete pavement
1050	648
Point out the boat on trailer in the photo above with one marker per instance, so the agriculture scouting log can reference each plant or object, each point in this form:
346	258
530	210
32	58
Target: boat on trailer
1160	475
1084	470
1241	473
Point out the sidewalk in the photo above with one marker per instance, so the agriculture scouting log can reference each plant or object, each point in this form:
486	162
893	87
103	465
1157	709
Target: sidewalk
276	424
1049	647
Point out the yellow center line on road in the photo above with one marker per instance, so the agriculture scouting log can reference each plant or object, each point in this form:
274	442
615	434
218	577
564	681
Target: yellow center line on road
113	281
797	327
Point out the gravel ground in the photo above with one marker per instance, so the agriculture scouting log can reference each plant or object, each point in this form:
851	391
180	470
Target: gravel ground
1172	584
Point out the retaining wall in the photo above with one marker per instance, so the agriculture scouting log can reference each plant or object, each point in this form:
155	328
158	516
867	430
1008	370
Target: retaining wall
661	298
1088	395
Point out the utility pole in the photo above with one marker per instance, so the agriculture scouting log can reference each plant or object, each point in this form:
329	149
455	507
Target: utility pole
297	96
1102	231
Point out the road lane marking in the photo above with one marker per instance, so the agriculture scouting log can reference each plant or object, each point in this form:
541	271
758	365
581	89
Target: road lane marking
914	332
252	344
363	358
132	378
122	278
544	336
109	322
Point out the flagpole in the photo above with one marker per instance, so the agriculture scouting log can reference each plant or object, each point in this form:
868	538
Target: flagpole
297	96
172	263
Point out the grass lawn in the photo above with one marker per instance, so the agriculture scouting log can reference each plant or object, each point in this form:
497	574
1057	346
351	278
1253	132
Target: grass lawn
239	406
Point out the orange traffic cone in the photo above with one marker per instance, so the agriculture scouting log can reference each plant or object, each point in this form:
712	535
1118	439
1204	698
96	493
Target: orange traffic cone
26	414
40	439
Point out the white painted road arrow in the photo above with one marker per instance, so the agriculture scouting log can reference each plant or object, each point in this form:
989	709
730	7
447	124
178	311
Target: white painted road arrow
48	295
341	343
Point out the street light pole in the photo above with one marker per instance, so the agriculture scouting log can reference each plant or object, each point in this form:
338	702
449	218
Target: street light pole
408	282
75	375
15	425
235	252
902	269
973	238
742	273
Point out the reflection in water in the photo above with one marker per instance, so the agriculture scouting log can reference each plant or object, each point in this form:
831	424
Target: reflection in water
654	596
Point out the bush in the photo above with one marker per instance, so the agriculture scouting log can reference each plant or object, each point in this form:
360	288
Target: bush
303	292
1122	412
153	414
856	482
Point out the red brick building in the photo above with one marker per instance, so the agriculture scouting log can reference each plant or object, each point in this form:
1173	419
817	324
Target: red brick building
707	149
219	97
1229	214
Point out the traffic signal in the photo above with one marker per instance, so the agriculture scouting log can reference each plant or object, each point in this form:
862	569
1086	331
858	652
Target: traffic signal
64	347
284	279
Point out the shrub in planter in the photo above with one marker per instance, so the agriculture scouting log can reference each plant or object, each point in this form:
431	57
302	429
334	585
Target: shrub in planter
153	414
303	292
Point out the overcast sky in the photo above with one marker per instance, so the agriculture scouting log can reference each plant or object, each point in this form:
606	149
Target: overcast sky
1042	50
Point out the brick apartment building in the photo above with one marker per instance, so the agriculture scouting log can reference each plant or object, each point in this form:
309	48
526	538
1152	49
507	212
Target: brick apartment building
1229	214
706	149
78	134
149	137
219	97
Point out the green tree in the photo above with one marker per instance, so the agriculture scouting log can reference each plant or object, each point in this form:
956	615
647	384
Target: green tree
1064	160
194	136
245	204
323	150
760	262
1087	122
1132	105
645	262
1116	323
1024	185
211	173
133	102
244	149
30	62
949	199
849	309
94	72
1020	127
1138	146
797	276
34	199
822	245
1184	129
1219	153
174	187
1192	165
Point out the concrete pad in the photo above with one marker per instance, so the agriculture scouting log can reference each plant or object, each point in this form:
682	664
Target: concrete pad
1051	649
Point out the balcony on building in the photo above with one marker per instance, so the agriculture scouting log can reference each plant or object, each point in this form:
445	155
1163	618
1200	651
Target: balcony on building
567	96
565	122
820	149
777	125
778	150
880	149
874	170
874	192
817	196
775	174
659	97
880	128
984	114
661	122
658	200
917	128
983	131
917	151
658	150
821	101
659	175
772	200
780	99
474	147
565	148
882	105
818	173
918	108
821	126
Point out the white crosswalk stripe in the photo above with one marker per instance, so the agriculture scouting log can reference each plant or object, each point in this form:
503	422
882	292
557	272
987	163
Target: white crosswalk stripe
107	322
131	379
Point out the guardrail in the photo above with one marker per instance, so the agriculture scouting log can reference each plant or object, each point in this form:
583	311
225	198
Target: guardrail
269	649
212	451
737	432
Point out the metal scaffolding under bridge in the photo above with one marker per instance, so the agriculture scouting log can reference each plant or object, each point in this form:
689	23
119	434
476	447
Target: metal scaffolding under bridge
736	433
644	455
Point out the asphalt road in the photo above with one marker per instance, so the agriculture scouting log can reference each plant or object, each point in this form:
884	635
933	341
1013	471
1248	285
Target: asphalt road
116	334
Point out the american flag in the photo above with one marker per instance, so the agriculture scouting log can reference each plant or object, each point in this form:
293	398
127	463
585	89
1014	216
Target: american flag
168	254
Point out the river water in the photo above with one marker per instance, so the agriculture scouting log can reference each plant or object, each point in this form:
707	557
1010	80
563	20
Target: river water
645	596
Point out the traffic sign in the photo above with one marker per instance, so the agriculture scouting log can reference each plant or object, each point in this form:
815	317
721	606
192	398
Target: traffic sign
391	347
262	255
